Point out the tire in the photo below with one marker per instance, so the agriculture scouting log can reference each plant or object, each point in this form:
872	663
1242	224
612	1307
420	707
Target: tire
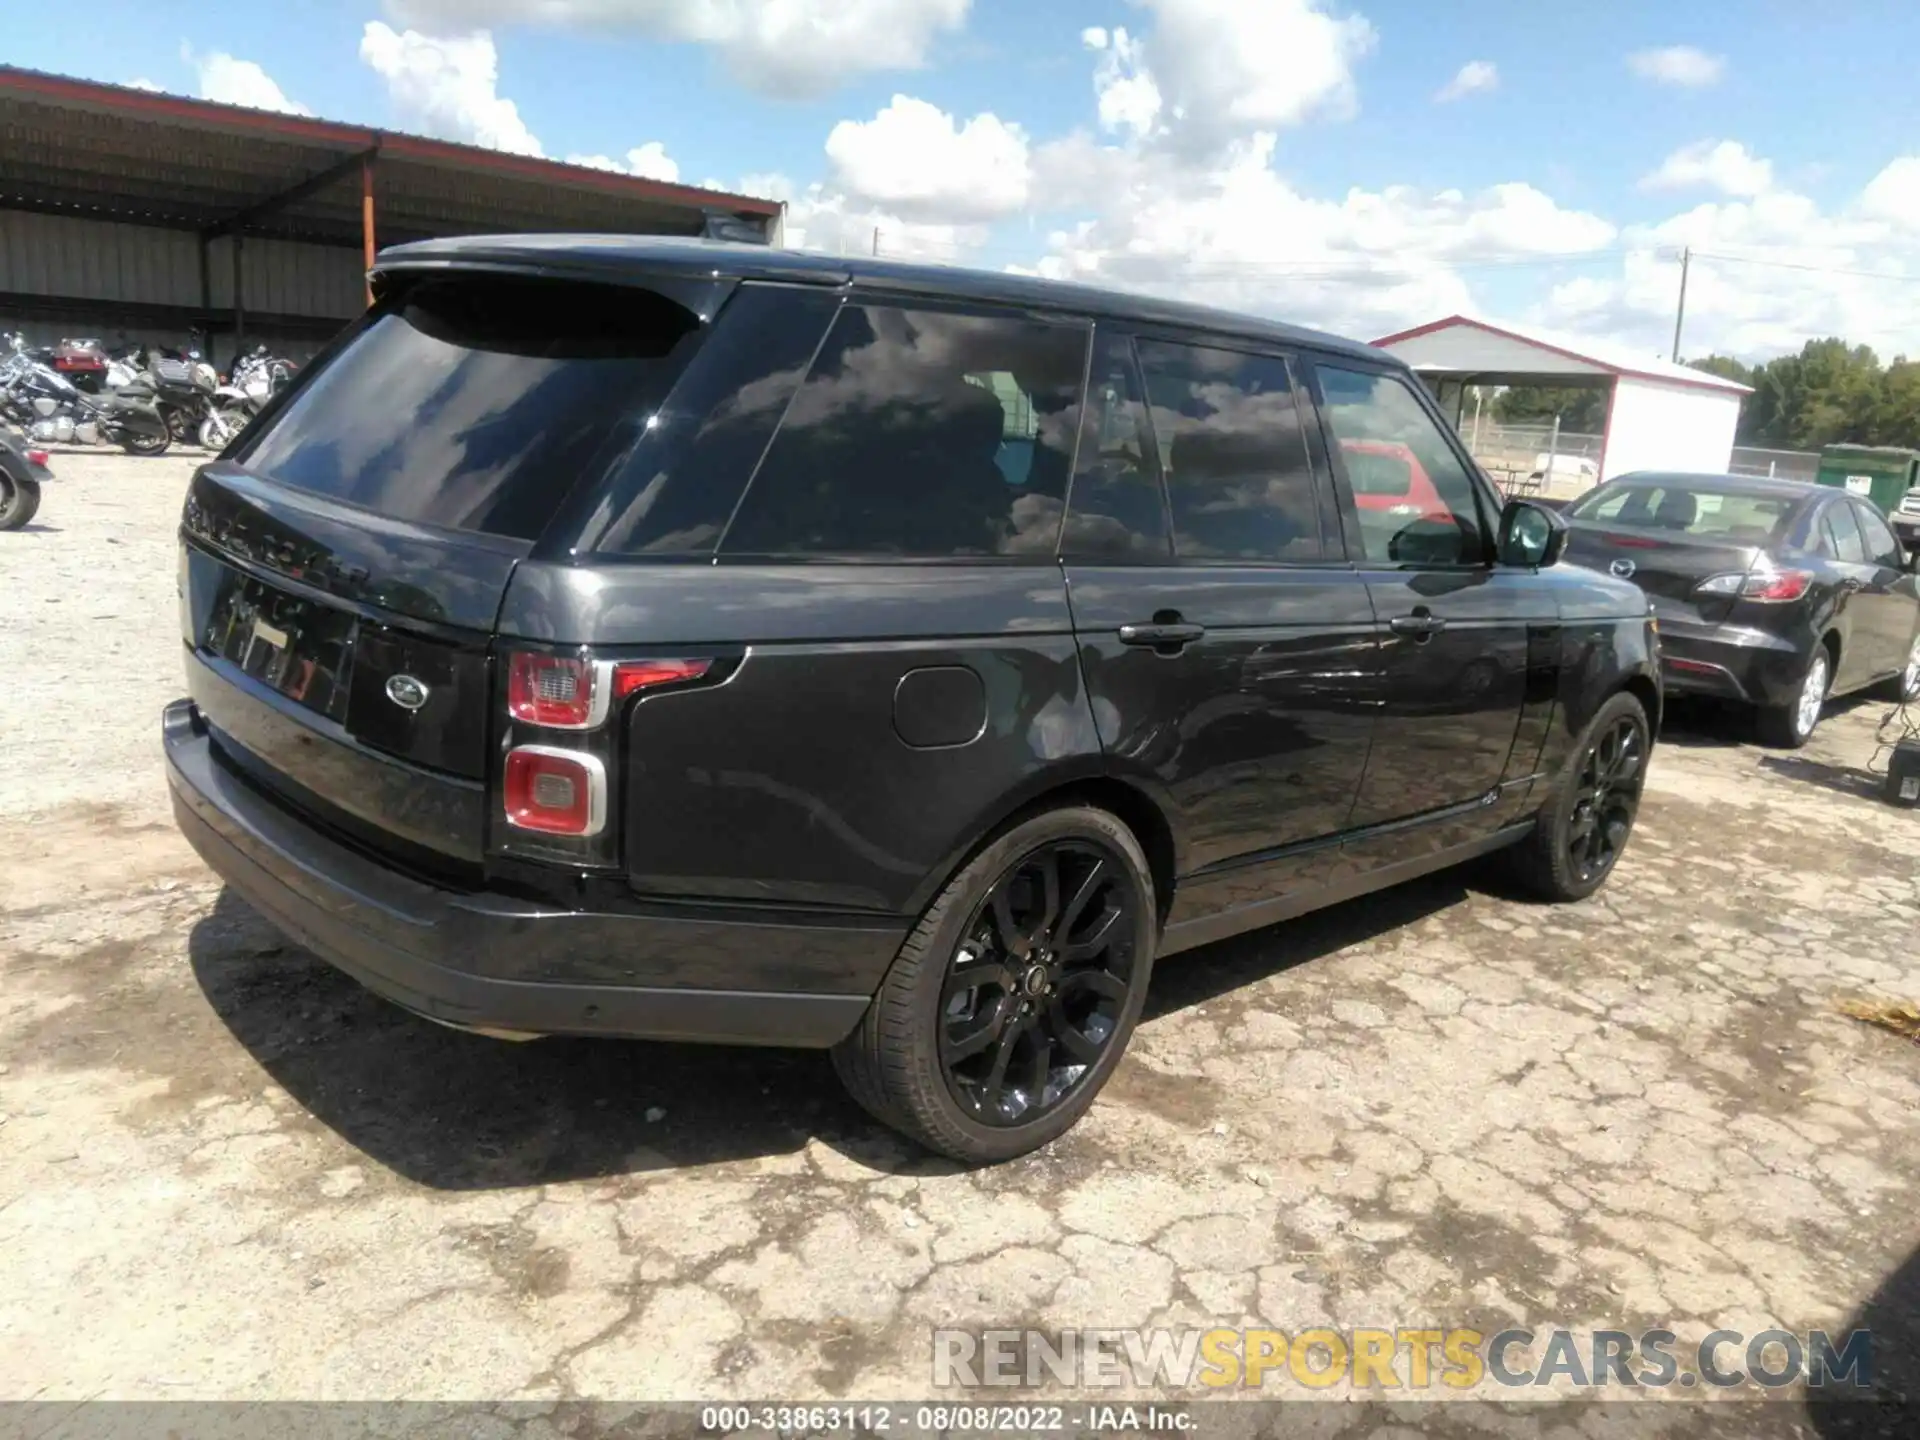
216	430
1906	685
1549	862
915	1062
19	499
137	444
1789	726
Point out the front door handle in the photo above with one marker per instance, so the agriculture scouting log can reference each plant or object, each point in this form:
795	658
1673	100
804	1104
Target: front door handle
1165	636
1422	625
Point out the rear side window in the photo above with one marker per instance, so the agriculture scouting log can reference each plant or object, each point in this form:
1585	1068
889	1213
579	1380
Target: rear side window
922	434
1238	479
1847	544
1881	544
477	402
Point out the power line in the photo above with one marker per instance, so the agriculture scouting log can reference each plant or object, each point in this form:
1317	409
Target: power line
1801	265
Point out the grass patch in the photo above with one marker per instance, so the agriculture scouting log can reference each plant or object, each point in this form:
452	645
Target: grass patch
1900	1016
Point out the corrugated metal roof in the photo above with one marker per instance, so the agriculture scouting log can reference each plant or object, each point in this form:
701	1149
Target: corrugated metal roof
108	152
1602	355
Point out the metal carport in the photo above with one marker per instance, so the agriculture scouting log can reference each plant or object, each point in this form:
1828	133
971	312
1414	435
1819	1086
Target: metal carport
1659	415
127	212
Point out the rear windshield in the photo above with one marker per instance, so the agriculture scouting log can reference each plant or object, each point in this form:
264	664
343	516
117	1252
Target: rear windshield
1703	514
477	402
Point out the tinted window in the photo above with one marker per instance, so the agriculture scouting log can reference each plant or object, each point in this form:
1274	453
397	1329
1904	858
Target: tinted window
1116	508
1730	515
1882	547
477	403
1847	542
676	490
1381	430
922	433
1228	428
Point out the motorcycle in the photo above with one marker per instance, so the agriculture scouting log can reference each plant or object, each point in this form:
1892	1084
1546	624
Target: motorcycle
84	362
23	471
181	386
51	408
256	379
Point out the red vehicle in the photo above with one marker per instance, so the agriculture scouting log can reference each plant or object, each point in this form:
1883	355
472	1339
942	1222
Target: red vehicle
1388	476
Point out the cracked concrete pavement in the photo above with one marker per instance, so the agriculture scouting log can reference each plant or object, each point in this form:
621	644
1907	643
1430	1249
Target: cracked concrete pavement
229	1172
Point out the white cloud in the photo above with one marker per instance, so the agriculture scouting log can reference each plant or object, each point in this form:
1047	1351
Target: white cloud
1125	95
649	160
787	47
1470	79
142	83
238	82
448	85
1241	235
1213	70
1826	277
916	159
1678	65
1894	194
1723	165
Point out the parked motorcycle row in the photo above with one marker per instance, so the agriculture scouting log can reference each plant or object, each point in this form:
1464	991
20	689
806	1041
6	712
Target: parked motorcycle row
141	399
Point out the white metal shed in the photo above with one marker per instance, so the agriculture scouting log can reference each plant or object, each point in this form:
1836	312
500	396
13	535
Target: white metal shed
1660	416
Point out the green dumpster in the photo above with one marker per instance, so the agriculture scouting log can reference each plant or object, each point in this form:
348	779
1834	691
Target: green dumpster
1882	473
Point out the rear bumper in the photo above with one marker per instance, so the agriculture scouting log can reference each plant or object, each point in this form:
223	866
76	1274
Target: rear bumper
490	961
1732	662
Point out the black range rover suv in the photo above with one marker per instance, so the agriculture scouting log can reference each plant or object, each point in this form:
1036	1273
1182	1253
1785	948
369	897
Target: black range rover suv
675	640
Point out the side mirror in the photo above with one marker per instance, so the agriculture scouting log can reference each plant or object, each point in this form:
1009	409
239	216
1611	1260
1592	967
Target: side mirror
1531	535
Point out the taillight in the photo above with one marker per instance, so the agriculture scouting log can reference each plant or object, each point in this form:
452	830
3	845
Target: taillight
1768	586
554	691
556	792
630	676
562	750
37	457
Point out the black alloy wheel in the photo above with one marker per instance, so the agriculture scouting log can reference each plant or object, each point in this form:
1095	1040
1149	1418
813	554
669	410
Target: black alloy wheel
1587	818
1038	988
1012	1000
1606	798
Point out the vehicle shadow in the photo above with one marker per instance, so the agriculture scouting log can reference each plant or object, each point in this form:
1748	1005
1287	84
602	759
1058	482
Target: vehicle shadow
1891	1315
456	1111
1841	779
1198	976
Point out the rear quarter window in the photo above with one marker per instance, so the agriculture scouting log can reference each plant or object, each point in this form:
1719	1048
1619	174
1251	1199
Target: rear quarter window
922	433
476	403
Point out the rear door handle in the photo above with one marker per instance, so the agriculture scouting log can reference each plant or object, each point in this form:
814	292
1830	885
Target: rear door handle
1421	625
1162	634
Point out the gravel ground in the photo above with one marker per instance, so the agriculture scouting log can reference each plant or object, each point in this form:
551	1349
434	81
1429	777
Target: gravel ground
228	1172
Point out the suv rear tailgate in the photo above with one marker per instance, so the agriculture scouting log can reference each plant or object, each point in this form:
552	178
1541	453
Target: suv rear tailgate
299	613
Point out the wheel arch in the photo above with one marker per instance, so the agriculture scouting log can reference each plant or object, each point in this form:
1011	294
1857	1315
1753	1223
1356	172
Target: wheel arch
1127	800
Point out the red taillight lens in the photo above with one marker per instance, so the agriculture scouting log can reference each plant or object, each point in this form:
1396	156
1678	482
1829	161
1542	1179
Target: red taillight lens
556	691
1768	585
37	457
1777	585
633	675
556	792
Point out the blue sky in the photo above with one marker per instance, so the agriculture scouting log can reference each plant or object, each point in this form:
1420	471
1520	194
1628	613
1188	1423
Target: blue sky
1290	155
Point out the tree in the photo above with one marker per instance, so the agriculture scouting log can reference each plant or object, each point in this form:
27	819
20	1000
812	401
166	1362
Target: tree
1829	393
1582	408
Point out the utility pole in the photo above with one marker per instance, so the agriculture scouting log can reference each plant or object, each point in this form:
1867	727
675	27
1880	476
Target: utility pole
876	241
1680	314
